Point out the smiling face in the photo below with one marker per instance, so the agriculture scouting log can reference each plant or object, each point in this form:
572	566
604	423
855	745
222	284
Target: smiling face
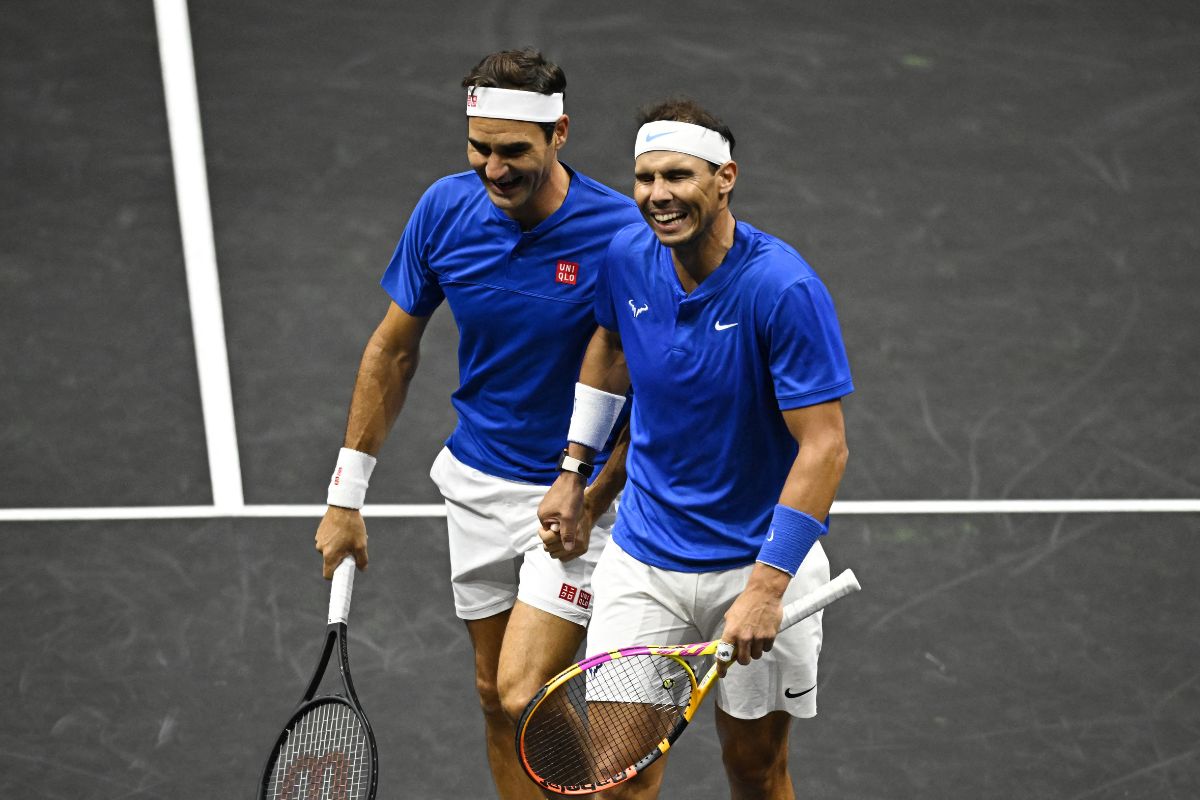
681	196
518	167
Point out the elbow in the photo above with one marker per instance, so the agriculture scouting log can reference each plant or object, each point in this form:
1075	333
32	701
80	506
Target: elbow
833	455
826	457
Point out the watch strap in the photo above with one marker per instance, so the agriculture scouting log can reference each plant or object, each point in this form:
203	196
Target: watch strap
567	463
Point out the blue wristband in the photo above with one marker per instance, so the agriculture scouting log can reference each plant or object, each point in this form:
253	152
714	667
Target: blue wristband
791	536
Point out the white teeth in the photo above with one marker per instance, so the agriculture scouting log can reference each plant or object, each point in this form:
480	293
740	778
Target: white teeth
664	219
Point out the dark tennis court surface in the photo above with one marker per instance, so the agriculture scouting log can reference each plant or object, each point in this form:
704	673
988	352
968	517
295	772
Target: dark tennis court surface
1002	198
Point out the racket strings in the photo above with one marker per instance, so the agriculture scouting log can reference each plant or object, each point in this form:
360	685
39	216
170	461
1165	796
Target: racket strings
601	722
325	756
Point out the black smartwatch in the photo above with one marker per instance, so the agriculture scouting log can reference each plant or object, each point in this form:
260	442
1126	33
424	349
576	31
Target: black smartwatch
568	464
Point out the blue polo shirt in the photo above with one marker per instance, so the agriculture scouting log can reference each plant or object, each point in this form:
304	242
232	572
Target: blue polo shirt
711	372
523	304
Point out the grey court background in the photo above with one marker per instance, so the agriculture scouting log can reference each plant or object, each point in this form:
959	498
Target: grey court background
1001	197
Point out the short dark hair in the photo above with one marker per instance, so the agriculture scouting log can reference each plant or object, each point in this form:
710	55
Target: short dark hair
526	69
684	109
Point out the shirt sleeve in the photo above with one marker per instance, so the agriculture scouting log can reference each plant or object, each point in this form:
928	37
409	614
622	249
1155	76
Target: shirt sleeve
808	359
409	279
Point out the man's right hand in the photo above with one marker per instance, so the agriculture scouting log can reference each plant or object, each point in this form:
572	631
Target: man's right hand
341	533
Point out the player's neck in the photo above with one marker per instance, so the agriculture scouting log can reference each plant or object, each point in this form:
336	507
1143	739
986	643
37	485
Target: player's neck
548	199
699	258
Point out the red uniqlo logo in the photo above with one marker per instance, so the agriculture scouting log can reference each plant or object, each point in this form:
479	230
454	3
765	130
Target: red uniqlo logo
472	101
585	599
567	592
337	478
567	272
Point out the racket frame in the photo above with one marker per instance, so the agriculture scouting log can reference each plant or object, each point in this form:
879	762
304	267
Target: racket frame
335	640
844	584
676	653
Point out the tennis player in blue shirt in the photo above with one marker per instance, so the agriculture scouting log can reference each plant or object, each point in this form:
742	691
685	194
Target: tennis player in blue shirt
514	246
737	365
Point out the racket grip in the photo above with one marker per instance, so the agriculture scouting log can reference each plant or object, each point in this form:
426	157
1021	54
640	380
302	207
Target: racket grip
814	601
339	594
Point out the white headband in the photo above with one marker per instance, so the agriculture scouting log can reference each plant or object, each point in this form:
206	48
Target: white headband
488	101
682	137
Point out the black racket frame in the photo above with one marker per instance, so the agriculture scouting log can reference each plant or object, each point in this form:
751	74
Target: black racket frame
335	639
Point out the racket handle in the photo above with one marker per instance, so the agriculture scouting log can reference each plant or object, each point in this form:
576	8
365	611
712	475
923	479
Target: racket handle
339	594
817	599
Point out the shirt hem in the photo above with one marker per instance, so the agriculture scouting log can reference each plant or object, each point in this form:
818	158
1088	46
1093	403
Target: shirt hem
622	539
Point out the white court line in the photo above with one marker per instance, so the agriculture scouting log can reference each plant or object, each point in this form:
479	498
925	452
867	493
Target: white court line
206	512
841	507
199	252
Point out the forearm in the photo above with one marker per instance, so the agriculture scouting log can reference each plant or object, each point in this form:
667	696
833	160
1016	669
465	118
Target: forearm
380	389
813	480
603	381
611	480
753	620
604	368
384	373
807	494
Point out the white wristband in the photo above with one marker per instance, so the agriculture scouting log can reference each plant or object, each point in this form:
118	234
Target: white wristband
595	413
348	486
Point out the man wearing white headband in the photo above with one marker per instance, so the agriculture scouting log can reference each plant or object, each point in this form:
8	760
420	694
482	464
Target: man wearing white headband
514	246
737	364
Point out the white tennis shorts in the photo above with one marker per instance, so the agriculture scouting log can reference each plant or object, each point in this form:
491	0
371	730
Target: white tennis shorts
496	555
645	605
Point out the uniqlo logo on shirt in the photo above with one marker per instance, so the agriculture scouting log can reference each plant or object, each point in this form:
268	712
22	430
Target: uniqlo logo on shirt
585	599
567	272
567	592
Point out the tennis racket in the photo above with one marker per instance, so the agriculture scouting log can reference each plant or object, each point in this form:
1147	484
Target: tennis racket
605	719
327	750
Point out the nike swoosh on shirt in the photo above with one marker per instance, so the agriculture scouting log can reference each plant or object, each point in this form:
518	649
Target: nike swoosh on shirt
788	692
720	327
